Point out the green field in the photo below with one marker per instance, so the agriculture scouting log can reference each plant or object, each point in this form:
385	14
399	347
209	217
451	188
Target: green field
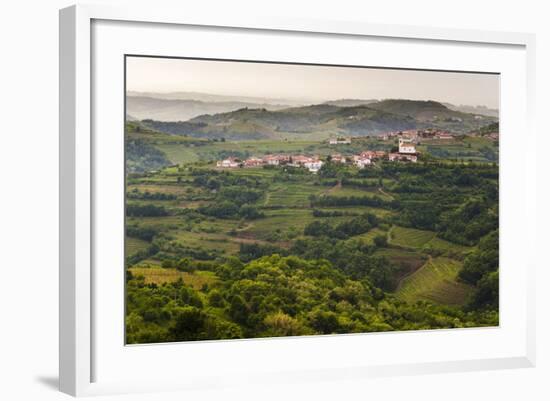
159	275
425	240
410	237
369	236
435	281
269	251
291	195
134	245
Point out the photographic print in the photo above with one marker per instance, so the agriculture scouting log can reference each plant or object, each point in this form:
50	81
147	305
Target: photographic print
269	199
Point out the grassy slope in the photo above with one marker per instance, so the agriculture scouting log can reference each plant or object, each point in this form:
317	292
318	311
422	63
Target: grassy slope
435	282
423	240
410	237
134	245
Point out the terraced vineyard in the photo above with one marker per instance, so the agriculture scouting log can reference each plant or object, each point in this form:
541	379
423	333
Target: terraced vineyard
435	281
410	237
330	252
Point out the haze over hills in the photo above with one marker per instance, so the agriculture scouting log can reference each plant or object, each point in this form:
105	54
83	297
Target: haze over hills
482	110
322	121
142	107
183	106
351	102
209	97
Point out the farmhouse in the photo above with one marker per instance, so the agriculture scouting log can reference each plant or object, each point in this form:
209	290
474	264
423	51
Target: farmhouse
253	162
314	165
368	154
362	162
339	141
338	158
230	162
395	157
300	160
406	146
407	152
444	135
276	160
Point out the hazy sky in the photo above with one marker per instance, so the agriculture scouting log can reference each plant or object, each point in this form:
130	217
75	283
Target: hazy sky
311	83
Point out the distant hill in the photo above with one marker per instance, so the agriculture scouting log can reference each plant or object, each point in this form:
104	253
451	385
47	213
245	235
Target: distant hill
351	102
321	120
144	107
209	97
432	114
480	110
349	117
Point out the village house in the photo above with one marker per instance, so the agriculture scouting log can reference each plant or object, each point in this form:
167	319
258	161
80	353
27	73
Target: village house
368	154
299	160
362	162
338	158
253	162
444	135
313	165
339	141
407	152
230	162
395	157
406	146
276	160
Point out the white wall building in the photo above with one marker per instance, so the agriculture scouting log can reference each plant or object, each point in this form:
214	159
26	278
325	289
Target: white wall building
362	162
406	146
339	141
314	165
228	163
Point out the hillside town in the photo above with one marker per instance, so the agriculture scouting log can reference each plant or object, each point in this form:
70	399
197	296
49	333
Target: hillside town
407	141
406	153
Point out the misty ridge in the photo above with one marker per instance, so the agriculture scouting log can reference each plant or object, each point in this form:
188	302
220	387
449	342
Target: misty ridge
181	106
243	118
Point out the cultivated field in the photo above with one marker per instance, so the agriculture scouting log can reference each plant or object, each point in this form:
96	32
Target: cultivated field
238	244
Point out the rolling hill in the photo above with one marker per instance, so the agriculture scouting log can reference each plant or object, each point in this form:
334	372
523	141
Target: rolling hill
145	107
320	121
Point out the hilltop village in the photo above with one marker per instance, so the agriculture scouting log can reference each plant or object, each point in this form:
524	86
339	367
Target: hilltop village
406	152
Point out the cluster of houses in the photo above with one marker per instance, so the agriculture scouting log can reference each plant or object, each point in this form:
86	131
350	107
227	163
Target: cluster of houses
412	134
406	152
312	163
416	135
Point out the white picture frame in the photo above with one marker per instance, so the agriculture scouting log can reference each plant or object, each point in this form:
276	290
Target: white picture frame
78	218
